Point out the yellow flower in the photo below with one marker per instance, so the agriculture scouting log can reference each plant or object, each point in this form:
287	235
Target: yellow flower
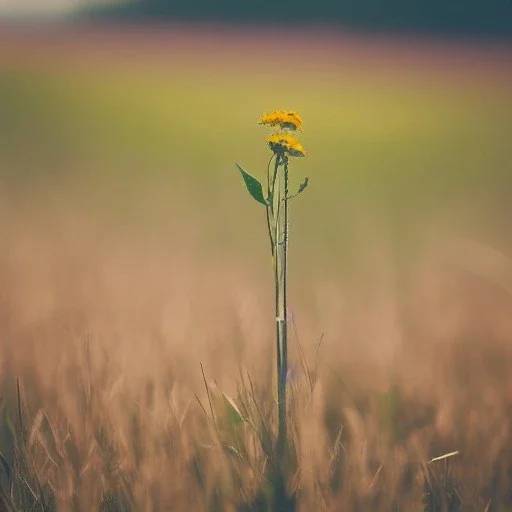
281	144
284	119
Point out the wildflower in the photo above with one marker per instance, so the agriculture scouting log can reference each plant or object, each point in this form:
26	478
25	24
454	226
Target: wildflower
284	119
283	143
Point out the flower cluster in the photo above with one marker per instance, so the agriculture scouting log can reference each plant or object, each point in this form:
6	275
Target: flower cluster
283	143
286	120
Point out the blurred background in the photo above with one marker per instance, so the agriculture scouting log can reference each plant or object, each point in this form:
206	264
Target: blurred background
133	113
123	218
491	18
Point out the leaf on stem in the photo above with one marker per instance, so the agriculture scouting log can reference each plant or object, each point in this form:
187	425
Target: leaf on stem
303	185
253	186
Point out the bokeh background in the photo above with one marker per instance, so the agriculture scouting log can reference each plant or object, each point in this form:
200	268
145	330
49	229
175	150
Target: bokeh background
407	110
124	221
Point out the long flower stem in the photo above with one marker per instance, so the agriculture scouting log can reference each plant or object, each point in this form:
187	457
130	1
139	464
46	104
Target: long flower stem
283	373
269	209
278	232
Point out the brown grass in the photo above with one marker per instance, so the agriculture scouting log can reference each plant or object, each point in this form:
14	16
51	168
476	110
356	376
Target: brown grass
106	327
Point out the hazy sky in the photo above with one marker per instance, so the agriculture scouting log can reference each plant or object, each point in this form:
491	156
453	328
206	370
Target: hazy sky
35	7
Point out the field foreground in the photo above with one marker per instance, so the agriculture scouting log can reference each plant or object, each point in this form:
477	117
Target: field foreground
135	298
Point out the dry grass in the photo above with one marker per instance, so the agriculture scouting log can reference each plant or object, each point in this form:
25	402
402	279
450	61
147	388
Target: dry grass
106	327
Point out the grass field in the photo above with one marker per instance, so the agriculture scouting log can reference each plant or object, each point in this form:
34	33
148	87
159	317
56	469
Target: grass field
131	255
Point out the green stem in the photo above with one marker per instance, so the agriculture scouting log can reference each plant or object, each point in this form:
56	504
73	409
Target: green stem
277	263
269	208
278	216
277	224
283	341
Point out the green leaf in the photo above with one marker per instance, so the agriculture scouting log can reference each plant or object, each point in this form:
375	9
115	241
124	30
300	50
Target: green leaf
253	186
303	185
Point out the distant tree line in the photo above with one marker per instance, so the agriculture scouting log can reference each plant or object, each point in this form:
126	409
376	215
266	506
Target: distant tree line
478	17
